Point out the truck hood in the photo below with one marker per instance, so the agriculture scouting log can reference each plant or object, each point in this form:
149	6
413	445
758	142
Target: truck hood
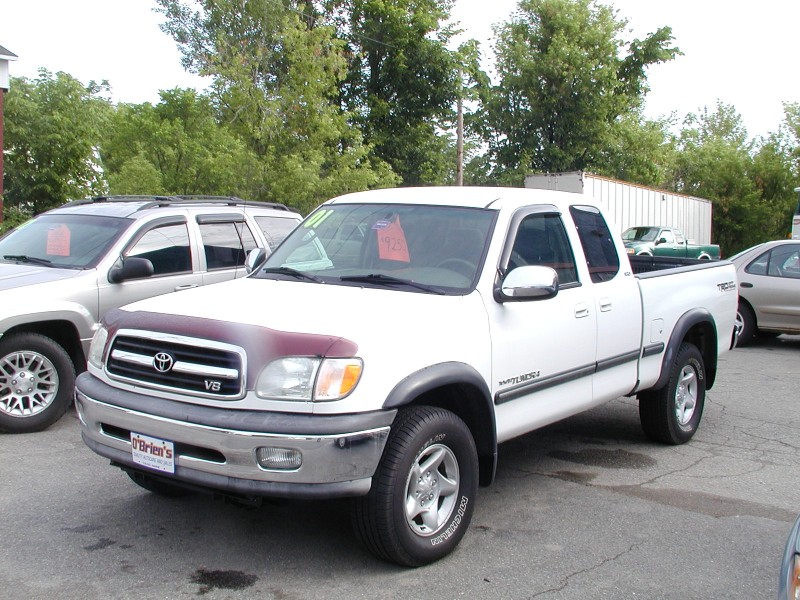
394	330
300	307
24	275
638	244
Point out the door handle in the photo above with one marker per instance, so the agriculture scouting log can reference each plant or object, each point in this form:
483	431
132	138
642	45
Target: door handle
188	286
746	284
581	310
605	304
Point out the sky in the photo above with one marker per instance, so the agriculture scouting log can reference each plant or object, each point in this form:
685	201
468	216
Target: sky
744	57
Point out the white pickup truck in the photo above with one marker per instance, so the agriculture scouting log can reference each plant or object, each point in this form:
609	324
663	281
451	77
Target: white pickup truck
387	347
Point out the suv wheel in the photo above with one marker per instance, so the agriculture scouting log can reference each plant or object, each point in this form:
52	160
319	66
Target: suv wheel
37	380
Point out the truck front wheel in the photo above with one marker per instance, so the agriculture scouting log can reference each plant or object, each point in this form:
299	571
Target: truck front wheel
423	493
37	381
672	414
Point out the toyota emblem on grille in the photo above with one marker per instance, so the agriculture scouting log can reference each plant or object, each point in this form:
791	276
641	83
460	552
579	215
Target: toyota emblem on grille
162	362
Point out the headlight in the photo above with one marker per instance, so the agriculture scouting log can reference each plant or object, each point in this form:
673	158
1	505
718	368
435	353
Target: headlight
304	379
97	346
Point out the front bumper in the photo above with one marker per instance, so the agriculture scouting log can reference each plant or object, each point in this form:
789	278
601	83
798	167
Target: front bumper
215	448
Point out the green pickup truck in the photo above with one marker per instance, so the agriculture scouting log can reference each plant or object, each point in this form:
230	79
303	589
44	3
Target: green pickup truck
665	241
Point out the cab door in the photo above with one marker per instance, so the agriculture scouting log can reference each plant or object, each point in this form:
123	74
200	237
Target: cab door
543	350
670	246
617	303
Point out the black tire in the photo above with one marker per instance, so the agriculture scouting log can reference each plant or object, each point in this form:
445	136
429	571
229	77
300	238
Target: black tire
37	382
746	320
157	486
672	414
395	521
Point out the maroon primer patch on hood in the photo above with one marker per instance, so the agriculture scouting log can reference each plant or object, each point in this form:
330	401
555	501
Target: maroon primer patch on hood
261	344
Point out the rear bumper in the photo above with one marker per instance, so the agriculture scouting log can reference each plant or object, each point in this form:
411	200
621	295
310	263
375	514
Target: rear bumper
216	448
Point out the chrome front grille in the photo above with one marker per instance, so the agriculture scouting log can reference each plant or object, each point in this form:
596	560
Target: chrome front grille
186	365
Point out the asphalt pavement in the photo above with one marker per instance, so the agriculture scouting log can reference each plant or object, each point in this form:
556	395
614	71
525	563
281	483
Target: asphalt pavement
586	508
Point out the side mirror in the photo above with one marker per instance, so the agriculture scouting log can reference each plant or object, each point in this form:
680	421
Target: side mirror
661	241
255	258
527	283
133	267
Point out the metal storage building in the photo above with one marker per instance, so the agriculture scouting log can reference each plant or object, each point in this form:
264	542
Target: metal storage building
630	204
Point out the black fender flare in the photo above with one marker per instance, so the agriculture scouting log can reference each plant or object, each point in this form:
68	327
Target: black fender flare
705	338
476	409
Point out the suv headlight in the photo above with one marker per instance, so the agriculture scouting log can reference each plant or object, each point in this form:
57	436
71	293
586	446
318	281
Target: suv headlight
97	346
305	379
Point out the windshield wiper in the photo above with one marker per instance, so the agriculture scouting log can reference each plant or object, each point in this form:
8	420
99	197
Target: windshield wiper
381	279
28	259
292	273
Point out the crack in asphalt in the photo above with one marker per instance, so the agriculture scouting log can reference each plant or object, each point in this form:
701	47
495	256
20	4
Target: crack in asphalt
565	582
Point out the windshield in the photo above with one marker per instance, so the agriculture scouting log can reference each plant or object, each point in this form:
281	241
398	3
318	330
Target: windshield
436	249
640	234
61	240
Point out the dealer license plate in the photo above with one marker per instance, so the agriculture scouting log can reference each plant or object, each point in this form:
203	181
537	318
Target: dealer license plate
153	453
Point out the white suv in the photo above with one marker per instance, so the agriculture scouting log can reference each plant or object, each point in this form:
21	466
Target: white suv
61	271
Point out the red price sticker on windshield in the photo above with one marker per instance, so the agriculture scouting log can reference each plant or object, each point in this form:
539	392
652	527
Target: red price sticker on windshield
58	241
391	241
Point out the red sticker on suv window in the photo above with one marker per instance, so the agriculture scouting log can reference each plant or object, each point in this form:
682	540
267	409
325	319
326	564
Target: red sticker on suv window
58	241
391	241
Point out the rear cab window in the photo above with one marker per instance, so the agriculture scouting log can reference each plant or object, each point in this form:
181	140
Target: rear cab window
597	242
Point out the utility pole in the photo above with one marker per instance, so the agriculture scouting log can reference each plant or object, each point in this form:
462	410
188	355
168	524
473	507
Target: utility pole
460	133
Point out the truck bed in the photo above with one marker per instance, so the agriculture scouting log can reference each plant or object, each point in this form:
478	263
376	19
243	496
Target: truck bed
650	264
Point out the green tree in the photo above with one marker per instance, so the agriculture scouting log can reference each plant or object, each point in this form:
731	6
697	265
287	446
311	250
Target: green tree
402	83
715	161
564	82
791	132
776	170
53	126
639	151
276	82
174	147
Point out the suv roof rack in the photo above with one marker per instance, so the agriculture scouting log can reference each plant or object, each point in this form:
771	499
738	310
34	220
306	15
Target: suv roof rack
231	201
156	201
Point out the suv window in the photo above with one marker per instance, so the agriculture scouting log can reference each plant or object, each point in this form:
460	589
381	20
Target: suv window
167	247
226	244
598	245
275	229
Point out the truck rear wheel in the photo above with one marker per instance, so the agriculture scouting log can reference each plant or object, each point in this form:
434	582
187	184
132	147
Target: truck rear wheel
37	382
672	414
424	490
